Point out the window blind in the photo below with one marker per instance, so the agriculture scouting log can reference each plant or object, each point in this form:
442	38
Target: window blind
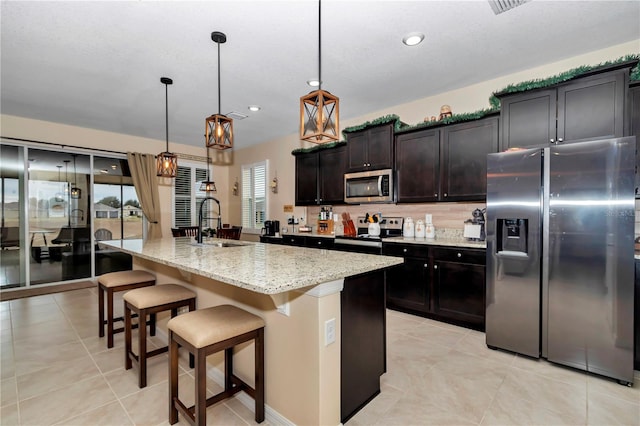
254	195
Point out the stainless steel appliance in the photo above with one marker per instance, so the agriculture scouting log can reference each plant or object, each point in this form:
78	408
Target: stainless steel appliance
369	187
365	243
560	254
271	227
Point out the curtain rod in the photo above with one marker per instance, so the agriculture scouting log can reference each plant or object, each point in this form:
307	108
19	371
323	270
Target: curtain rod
62	145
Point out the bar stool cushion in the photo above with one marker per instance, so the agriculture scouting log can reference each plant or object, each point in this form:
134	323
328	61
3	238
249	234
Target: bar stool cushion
116	279
147	297
205	327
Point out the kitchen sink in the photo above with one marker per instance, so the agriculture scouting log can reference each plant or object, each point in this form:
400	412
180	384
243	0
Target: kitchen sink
219	244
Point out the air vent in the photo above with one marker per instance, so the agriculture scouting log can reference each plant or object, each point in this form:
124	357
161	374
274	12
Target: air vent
500	6
236	115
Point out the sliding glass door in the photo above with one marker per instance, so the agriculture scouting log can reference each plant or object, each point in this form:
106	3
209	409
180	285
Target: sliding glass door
13	218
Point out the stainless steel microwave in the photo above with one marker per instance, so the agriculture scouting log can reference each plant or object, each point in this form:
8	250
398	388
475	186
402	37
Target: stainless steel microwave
369	187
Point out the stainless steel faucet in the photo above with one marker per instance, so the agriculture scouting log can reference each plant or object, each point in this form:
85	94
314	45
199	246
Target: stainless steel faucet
201	218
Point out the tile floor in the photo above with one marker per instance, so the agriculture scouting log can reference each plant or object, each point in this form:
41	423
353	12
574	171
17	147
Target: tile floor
56	371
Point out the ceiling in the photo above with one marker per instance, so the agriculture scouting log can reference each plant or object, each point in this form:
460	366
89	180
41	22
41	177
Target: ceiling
98	64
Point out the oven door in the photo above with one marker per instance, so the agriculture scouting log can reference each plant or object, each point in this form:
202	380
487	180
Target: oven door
358	246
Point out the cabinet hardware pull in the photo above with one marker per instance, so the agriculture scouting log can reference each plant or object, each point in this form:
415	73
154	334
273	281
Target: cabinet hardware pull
560	140
459	254
319	242
435	195
551	140
404	250
445	194
426	265
435	266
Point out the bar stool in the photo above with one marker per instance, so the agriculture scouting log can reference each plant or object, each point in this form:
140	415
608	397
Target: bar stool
205	332
149	301
114	282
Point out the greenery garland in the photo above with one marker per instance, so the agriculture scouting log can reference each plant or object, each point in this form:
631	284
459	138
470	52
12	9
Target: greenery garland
564	76
380	120
455	118
318	147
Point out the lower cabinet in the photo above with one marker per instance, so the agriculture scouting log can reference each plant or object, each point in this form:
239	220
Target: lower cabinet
637	318
439	283
300	241
459	285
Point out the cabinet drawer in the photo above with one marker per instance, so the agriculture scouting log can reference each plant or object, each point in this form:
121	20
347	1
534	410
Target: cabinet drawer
459	255
294	240
319	242
405	250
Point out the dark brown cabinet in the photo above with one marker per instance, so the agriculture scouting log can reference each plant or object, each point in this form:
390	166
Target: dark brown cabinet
370	149
448	163
408	285
459	285
637	318
320	177
634	106
445	284
583	109
418	166
463	159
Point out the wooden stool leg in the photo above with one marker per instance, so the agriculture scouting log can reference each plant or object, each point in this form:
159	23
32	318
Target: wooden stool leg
228	368
192	307
201	388
142	348
109	318
127	337
173	379
259	376
152	325
100	311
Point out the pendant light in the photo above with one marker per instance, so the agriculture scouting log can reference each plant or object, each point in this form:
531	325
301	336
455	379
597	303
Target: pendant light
59	196
208	185
75	191
218	127
167	162
319	110
66	176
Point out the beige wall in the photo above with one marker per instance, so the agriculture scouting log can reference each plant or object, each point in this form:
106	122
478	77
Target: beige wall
278	152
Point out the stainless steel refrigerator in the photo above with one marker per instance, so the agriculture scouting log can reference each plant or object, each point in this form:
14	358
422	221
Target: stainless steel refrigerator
560	254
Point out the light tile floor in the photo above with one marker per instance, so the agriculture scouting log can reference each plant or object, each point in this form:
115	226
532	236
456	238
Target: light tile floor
56	371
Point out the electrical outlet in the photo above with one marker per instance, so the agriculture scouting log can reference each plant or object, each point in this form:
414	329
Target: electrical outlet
329	331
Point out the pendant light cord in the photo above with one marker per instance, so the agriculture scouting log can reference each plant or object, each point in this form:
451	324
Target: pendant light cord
219	109
166	112
319	44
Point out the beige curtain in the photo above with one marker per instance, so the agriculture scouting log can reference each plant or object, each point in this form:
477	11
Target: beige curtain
145	180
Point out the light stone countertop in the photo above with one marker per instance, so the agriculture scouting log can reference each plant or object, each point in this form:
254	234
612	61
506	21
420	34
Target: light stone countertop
263	268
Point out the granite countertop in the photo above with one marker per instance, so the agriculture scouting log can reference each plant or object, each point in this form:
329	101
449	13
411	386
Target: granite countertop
263	268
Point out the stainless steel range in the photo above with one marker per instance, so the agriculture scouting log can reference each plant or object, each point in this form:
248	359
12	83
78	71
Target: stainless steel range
365	243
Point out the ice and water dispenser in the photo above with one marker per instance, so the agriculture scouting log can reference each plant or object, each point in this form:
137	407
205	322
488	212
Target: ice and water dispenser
511	245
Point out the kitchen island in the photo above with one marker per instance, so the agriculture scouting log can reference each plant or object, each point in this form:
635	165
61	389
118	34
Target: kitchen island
303	295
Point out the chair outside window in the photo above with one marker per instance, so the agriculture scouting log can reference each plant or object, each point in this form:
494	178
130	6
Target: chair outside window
103	234
190	231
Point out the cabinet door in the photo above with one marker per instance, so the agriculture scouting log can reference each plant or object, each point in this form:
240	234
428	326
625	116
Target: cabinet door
319	242
634	98
417	166
459	292
357	151
463	167
408	285
333	164
380	147
528	119
307	179
592	108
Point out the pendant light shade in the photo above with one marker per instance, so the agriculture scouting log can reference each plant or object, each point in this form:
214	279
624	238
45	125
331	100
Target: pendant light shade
167	162
59	196
76	192
208	185
218	127
319	110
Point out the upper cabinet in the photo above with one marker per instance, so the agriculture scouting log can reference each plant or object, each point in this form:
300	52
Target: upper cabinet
320	176
634	105
583	109
447	163
370	149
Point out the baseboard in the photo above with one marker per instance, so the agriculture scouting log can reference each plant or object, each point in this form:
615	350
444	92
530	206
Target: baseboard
19	293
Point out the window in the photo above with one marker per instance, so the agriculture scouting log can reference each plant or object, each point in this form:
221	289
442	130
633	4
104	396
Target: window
186	194
254	196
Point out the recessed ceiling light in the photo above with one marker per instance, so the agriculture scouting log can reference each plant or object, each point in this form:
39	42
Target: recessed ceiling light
254	108
313	83
412	39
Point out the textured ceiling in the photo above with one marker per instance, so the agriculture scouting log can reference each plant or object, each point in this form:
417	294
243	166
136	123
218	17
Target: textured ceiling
98	64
